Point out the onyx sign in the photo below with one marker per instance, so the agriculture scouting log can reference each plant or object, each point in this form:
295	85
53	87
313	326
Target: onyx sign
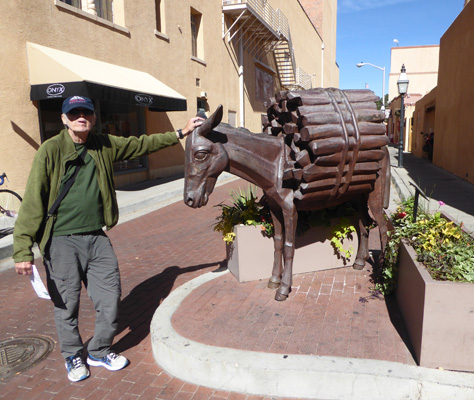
54	90
144	100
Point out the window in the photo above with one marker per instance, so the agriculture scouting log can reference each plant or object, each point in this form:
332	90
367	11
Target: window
197	46
74	3
123	120
263	84
202	106
194	34
160	16
103	8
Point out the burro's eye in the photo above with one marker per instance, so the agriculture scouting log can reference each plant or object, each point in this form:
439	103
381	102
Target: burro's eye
200	155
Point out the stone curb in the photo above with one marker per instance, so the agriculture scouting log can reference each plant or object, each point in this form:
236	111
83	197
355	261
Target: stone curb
299	376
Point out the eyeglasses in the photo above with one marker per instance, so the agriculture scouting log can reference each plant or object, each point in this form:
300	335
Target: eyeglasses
78	111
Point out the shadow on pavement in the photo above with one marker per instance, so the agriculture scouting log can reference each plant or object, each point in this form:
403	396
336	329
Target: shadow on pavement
390	301
137	309
438	183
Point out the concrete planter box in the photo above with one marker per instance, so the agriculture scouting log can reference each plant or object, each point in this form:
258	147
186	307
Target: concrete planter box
438	315
250	256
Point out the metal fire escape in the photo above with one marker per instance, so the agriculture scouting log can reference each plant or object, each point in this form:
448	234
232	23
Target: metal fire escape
262	30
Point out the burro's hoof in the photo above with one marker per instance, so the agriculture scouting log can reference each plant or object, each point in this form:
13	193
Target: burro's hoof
280	296
358	266
282	293
273	285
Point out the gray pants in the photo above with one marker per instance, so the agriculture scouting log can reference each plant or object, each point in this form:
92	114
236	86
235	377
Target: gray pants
90	259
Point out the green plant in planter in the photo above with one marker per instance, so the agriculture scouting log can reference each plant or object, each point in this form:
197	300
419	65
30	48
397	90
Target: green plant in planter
441	245
342	231
246	209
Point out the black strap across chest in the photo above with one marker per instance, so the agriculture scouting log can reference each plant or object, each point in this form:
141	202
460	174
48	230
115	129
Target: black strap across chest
67	186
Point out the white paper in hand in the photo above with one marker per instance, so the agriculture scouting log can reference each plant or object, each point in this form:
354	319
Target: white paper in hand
38	284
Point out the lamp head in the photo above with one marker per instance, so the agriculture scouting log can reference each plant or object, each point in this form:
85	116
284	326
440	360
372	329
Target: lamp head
361	64
403	81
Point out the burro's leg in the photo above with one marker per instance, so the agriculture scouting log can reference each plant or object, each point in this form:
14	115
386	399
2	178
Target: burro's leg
290	217
277	271
379	199
364	220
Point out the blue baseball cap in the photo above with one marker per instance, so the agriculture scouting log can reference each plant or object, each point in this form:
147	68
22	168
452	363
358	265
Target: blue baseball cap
77	102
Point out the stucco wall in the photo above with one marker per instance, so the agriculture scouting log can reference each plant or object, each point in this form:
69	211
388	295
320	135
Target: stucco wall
423	122
421	63
454	133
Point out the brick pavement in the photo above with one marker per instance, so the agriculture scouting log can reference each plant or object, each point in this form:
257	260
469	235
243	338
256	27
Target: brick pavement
328	313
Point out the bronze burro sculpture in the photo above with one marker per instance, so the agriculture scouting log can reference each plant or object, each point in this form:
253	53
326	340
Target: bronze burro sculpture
325	147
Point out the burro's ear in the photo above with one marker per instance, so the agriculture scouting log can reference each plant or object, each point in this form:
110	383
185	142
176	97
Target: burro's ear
210	123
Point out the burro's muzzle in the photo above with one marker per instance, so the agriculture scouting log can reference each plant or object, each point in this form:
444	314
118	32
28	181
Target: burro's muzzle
199	196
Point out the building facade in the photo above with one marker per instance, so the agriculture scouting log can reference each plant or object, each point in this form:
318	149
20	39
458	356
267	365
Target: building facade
149	66
421	63
454	133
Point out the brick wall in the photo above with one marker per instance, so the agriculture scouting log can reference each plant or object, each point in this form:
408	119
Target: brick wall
314	10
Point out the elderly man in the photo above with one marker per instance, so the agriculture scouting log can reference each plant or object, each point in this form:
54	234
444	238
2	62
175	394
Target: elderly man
75	170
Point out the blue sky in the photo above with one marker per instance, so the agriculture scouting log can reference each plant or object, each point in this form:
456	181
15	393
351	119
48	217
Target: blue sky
366	30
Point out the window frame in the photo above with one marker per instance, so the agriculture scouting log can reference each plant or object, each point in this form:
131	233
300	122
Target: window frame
160	20
197	36
63	6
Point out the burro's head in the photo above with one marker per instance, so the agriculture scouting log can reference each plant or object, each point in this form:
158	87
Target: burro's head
205	159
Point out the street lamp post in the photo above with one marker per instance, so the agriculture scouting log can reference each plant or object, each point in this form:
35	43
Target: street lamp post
361	64
402	84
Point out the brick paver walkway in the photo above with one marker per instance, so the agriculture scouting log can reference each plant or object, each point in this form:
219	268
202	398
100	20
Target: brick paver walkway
328	313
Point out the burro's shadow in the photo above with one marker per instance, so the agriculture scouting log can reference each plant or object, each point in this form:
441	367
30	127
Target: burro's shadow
137	309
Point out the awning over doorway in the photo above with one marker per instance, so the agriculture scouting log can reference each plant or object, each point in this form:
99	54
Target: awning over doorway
58	74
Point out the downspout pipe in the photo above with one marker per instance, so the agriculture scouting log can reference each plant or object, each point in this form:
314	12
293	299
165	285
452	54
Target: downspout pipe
241	84
322	65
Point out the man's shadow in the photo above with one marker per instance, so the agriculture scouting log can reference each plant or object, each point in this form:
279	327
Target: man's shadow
137	309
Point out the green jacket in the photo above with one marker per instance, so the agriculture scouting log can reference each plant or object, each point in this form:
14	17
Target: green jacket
49	166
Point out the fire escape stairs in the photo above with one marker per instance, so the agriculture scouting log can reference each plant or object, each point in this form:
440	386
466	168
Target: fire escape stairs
285	63
263	30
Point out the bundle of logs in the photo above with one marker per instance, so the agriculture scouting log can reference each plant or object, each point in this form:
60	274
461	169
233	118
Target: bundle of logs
334	140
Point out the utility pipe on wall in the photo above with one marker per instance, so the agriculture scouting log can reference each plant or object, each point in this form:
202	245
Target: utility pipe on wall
241	83
322	65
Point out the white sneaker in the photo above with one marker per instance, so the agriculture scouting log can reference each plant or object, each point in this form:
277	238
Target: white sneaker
76	369
112	361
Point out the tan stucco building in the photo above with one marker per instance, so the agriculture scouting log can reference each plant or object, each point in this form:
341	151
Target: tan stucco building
149	65
454	131
421	63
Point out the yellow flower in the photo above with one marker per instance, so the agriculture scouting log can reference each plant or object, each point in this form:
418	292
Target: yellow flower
229	237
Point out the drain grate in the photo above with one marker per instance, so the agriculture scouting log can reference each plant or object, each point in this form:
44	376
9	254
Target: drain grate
19	354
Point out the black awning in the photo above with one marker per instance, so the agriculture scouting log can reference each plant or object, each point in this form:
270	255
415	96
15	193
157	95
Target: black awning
108	93
59	74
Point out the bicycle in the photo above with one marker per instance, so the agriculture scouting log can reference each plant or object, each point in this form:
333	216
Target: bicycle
10	202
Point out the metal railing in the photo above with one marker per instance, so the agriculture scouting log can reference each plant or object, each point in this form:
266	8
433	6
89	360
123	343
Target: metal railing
303	79
275	19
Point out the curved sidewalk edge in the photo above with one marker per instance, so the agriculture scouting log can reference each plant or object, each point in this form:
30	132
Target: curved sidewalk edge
300	376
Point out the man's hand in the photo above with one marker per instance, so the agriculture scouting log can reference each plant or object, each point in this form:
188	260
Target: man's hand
192	124
24	268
